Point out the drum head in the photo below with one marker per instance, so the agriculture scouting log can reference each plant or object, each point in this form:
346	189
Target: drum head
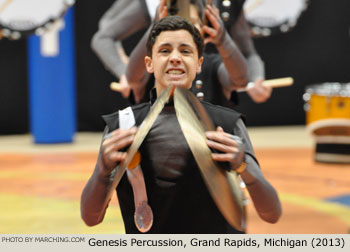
21	18
269	17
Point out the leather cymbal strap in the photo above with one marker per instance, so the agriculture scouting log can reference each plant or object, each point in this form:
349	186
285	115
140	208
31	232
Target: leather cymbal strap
143	129
223	187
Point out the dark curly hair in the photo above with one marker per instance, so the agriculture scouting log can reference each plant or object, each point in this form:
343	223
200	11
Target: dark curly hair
174	23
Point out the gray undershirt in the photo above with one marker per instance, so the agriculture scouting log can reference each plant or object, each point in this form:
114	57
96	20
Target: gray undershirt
168	150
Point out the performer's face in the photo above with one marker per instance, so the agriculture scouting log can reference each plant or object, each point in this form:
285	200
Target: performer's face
174	60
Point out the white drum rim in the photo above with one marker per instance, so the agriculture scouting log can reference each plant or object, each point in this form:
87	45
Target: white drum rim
331	158
329	89
332	139
329	123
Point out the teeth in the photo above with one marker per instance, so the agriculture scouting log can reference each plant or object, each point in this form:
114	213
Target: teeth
175	72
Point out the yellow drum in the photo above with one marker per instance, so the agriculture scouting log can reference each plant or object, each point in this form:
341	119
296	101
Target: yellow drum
327	108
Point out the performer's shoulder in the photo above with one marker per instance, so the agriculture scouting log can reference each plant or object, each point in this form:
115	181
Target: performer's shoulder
222	116
219	108
141	106
139	110
136	108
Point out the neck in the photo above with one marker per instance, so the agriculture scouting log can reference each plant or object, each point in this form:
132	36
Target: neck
160	89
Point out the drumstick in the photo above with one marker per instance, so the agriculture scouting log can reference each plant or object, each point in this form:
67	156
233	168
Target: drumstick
274	83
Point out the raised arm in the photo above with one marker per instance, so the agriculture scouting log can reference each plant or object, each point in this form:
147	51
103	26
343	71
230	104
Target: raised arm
136	73
233	72
136	70
241	35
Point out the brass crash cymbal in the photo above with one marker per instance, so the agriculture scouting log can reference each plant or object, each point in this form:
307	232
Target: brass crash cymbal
223	186
143	129
194	121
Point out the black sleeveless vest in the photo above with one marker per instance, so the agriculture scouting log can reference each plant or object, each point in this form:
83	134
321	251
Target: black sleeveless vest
184	208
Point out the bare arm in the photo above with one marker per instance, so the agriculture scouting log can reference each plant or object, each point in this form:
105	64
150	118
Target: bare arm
136	73
136	70
96	190
264	196
94	196
262	193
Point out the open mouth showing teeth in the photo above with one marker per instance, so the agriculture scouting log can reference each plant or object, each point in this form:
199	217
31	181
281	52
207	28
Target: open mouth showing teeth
176	72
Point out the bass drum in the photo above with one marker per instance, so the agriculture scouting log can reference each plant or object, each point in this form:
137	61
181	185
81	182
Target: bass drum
21	18
327	108
269	17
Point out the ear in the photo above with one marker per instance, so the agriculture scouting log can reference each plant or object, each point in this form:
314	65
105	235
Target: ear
199	65
149	64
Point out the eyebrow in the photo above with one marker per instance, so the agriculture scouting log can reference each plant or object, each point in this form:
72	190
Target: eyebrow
181	45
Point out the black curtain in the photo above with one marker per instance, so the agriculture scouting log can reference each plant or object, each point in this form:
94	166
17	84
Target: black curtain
317	50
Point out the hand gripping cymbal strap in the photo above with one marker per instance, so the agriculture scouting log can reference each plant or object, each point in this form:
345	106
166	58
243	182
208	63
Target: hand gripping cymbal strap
139	137
224	188
143	213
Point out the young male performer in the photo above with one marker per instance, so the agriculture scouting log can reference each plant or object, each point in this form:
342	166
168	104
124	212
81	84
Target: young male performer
176	191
